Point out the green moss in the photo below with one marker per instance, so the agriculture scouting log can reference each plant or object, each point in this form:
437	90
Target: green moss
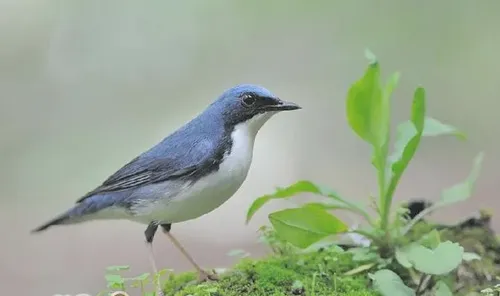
312	274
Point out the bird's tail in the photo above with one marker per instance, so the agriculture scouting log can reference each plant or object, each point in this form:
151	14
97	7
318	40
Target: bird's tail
56	221
81	212
71	216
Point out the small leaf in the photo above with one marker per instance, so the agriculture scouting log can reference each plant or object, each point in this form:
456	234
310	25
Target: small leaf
442	289
292	190
370	56
469	256
462	191
302	186
388	283
402	258
117	267
409	134
360	269
445	258
114	278
454	194
431	240
142	277
305	225
434	127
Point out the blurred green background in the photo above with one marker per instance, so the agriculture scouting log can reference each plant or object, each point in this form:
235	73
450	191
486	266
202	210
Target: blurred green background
87	85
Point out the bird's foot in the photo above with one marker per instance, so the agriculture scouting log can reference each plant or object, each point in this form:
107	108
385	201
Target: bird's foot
204	276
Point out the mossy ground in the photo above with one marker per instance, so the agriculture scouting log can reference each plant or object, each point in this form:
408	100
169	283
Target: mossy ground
317	273
320	273
289	271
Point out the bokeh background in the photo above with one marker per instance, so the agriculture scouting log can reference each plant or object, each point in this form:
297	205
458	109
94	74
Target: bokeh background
86	85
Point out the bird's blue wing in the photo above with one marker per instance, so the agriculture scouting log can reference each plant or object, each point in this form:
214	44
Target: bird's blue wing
154	167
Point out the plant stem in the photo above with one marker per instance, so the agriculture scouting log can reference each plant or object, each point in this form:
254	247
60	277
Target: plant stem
418	217
386	212
424	279
383	202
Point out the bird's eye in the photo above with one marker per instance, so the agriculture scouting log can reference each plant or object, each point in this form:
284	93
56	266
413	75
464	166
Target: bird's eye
248	100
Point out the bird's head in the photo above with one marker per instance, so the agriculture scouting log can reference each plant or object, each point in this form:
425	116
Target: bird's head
250	105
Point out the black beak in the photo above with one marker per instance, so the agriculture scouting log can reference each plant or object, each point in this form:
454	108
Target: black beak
283	106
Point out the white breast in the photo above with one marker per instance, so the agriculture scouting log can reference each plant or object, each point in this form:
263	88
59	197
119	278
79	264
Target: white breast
213	190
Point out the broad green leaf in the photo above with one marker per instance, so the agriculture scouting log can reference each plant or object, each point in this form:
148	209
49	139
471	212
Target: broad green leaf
305	225
117	267
402	258
292	190
431	240
434	127
388	283
409	134
443	259
442	289
364	106
302	186
379	157
469	256
462	191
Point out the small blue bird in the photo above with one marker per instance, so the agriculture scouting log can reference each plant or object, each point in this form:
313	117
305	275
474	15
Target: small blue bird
188	174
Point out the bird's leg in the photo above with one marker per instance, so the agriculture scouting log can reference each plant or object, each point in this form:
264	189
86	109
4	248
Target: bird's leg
150	234
202	275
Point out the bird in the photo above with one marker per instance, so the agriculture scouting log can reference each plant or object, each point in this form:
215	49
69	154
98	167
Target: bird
188	174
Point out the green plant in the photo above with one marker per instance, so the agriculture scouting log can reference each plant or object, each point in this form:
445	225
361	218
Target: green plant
368	114
146	283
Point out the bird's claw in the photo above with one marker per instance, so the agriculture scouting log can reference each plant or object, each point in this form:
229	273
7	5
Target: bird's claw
204	276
